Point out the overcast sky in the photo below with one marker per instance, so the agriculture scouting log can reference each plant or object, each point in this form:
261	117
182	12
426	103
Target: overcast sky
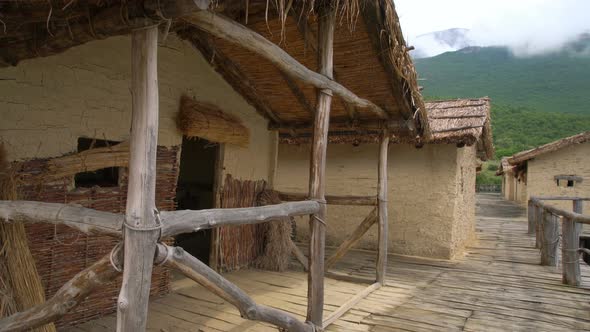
533	25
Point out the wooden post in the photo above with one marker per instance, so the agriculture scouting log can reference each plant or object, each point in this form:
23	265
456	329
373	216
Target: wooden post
141	232
382	207
579	206
538	227
531	215
550	239
570	257
315	282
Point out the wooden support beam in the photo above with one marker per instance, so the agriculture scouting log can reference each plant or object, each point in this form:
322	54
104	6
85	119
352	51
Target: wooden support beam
570	235
353	239
230	71
307	128
188	221
178	259
300	256
532	225
85	220
383	219
310	40
550	245
141	230
538	226
235	33
331	199
317	181
350	303
72	293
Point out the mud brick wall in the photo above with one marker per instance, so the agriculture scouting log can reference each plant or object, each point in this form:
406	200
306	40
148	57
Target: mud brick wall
60	252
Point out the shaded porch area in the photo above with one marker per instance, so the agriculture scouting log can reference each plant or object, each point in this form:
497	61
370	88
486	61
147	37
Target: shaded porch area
497	286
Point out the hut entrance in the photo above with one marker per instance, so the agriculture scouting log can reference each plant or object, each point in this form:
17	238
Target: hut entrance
195	191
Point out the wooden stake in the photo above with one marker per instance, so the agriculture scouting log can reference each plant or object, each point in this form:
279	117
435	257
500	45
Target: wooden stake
538	226
550	239
531	217
382	205
141	232
570	256
317	184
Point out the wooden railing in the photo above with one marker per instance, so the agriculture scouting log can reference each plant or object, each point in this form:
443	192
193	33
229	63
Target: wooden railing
543	221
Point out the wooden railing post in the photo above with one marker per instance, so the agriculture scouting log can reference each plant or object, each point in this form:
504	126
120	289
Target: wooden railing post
570	256
382	205
550	244
531	216
538	226
315	282
141	231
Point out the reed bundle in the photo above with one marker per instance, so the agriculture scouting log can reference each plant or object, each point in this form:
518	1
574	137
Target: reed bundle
198	119
20	284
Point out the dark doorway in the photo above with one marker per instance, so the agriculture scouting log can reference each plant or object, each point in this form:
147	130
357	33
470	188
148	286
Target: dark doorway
195	191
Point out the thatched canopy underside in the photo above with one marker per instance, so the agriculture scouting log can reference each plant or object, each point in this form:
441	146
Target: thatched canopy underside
370	55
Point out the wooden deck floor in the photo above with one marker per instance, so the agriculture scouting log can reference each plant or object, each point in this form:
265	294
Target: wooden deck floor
497	286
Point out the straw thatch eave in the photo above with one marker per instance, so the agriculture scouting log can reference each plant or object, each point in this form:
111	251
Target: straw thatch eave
524	156
369	46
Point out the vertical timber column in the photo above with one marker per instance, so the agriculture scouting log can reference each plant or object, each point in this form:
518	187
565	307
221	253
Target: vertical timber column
317	184
382	205
531	217
141	232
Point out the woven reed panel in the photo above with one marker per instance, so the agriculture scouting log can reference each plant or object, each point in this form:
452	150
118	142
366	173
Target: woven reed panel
60	252
239	246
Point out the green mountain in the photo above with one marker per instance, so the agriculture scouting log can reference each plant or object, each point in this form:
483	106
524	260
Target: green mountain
554	82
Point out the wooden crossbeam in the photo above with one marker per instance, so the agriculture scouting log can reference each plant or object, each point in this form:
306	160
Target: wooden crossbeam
205	276
70	295
350	303
235	33
398	126
353	239
95	222
331	199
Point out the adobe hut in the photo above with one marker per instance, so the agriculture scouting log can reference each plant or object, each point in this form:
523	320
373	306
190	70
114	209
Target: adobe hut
559	168
441	173
204	88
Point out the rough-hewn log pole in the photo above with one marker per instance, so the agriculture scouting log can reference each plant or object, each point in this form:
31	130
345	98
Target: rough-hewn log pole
317	170
65	299
85	220
332	199
350	303
550	239
538	226
531	217
299	256
356	235
188	221
383	219
204	275
235	33
570	256
141	233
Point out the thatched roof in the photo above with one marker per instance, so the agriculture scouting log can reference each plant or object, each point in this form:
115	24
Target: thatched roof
370	55
524	156
462	121
505	167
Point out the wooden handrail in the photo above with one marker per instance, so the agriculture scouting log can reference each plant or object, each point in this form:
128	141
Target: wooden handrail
576	217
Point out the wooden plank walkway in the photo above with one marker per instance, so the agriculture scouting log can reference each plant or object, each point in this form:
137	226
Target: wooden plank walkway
497	286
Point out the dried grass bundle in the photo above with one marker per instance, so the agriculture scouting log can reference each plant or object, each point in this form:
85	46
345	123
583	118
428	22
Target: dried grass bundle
277	235
20	284
198	119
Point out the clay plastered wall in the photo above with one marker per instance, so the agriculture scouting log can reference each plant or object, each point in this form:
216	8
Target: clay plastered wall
521	192
421	190
47	103
464	221
573	160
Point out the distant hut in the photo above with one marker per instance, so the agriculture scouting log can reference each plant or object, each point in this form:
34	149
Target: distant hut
559	168
431	186
221	80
